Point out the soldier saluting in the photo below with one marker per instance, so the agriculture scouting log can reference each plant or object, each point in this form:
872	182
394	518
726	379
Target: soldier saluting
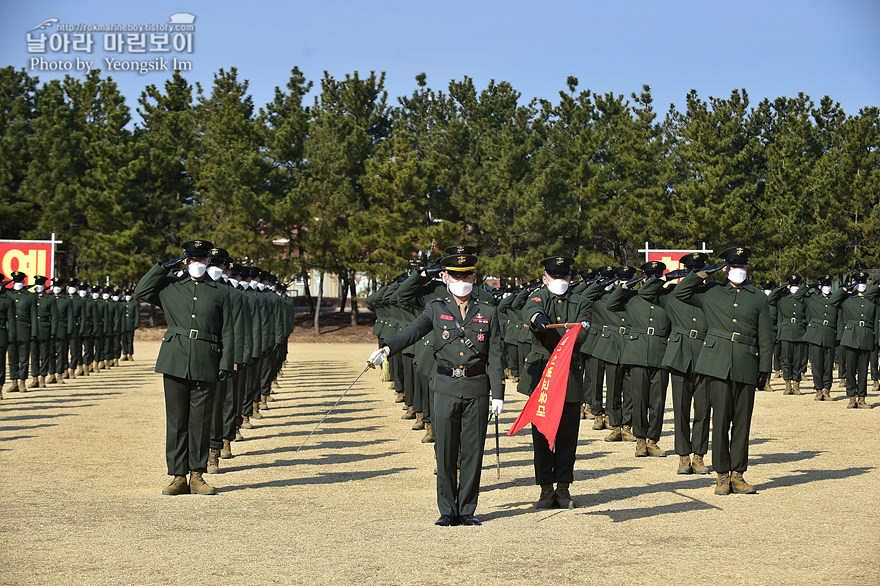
736	357
197	351
470	365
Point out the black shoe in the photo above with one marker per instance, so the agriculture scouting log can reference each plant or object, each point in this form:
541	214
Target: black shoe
470	521
447	521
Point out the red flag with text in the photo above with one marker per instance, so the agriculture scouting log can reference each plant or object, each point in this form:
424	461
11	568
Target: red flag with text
544	407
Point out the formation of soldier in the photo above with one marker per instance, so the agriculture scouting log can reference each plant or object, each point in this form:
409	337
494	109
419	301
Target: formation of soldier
715	342
53	330
220	358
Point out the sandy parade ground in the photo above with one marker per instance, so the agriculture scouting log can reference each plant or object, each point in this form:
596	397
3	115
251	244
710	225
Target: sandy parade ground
82	467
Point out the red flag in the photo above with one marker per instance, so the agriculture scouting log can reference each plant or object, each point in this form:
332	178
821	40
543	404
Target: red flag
544	407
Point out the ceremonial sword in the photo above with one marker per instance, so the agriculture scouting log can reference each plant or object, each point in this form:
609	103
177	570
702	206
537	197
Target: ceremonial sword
331	408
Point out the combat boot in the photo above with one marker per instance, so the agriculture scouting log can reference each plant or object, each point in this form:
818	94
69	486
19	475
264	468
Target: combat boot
875	385
563	496
698	466
795	387
852	403
410	413
419	424
545	501
246	422
614	436
820	395
429	434
826	393
641	447
738	485
599	422
34	384
71	373
50	380
12	387
778	374
626	433
256	414
399	398
42	382
860	403
585	411
178	485
79	370
722	483
238	436
91	367
105	364
226	450
197	484
59	378
787	390
654	450
213	461
125	357
684	465
22	385
264	403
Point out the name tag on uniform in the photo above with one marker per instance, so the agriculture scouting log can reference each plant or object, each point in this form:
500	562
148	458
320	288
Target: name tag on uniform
480	320
446	317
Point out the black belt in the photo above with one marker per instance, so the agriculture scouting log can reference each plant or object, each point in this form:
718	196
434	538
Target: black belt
733	337
862	324
692	334
462	372
651	331
193	334
824	322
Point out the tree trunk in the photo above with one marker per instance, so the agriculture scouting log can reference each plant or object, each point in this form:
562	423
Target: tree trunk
308	292
343	291
352	281
318	308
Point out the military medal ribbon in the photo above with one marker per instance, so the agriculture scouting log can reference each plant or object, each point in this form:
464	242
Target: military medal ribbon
544	407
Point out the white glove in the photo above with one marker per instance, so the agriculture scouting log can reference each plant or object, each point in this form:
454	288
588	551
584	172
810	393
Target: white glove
377	357
497	406
585	325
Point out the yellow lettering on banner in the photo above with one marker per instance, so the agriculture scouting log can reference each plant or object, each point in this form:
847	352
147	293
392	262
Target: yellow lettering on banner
542	398
563	342
541	411
549	372
545	384
31	263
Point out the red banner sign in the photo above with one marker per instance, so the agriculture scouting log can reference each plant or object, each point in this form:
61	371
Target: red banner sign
32	257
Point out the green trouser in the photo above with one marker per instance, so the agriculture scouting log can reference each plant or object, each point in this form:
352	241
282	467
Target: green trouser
459	424
188	406
732	405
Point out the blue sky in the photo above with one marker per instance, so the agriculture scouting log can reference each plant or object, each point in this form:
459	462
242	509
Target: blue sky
771	48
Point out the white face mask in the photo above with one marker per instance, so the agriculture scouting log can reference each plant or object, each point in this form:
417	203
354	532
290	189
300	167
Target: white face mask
460	288
861	287
260	286
56	290
736	275
95	295
196	269
767	292
826	289
225	278
71	290
215	272
233	282
128	297
39	288
793	288
105	296
558	286
115	297
83	293
18	286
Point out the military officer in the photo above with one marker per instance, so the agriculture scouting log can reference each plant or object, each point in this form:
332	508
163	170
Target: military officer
791	326
75	328
23	331
553	304
736	357
688	330
47	318
858	312
131	321
88	329
821	314
7	327
58	363
644	346
470	365
197	351
768	286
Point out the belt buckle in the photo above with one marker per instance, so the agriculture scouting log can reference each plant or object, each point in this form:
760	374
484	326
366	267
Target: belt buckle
621	330
794	320
733	336
693	334
824	322
651	331
861	324
193	334
457	372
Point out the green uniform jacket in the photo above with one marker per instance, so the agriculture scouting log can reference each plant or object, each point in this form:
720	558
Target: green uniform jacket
859	315
99	317
7	319
256	322
241	323
566	308
608	344
132	315
480	326
47	316
24	326
791	315
75	319
644	343
821	318
87	316
687	325
739	341
64	307
200	340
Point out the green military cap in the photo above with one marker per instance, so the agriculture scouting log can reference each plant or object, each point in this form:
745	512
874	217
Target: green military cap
768	284
587	274
558	266
736	255
459	264
606	271
234	269
18	276
694	260
460	249
825	280
794	279
40	280
653	268
219	256
858	276
198	248
626	272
